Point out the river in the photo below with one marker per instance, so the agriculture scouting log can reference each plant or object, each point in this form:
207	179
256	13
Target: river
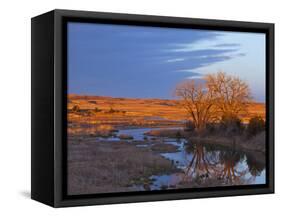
200	163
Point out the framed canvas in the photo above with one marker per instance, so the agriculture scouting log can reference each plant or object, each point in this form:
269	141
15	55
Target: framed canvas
134	108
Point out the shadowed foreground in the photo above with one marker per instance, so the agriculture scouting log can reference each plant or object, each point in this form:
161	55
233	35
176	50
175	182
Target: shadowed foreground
113	166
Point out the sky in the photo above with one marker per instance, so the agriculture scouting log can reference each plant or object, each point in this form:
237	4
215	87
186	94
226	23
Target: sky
148	62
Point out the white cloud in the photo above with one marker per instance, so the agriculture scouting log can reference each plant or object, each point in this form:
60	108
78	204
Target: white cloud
174	60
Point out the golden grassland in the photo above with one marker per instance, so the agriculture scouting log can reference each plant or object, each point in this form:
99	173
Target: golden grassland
100	166
96	110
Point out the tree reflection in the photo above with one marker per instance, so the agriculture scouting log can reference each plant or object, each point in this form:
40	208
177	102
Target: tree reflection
200	165
215	165
256	163
229	160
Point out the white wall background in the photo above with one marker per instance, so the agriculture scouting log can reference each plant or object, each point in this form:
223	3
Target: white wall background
15	106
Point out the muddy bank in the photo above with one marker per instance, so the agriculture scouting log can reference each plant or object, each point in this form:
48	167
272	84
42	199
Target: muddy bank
170	133
142	159
255	143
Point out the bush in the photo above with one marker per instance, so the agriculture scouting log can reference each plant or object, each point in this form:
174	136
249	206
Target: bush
211	127
125	136
97	110
76	108
92	102
111	110
189	126
178	134
231	124
255	126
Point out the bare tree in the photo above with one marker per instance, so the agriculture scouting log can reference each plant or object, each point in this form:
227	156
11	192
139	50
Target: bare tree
231	94
197	100
216	96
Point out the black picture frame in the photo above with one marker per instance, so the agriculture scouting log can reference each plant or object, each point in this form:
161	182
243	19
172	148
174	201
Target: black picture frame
49	89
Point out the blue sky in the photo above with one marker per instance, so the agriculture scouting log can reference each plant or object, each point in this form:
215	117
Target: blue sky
148	62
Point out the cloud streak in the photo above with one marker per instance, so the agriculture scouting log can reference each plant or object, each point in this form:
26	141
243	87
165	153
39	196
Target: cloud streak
140	61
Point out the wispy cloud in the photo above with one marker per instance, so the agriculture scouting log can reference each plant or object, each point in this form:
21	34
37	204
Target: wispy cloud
143	61
191	56
227	45
174	60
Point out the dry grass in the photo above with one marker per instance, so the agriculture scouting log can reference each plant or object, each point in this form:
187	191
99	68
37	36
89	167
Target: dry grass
171	133
136	112
125	136
163	148
95	167
92	130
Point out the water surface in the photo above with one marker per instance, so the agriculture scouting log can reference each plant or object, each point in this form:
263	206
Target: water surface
201	164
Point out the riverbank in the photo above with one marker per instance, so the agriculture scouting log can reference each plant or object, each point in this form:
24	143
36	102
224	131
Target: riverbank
121	145
153	162
114	166
255	143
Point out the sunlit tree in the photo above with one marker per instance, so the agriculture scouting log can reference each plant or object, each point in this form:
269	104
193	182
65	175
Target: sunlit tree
232	94
217	95
197	100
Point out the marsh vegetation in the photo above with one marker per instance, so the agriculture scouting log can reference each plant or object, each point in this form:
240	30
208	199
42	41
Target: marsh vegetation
211	134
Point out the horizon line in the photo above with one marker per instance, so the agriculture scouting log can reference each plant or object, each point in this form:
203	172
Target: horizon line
146	98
